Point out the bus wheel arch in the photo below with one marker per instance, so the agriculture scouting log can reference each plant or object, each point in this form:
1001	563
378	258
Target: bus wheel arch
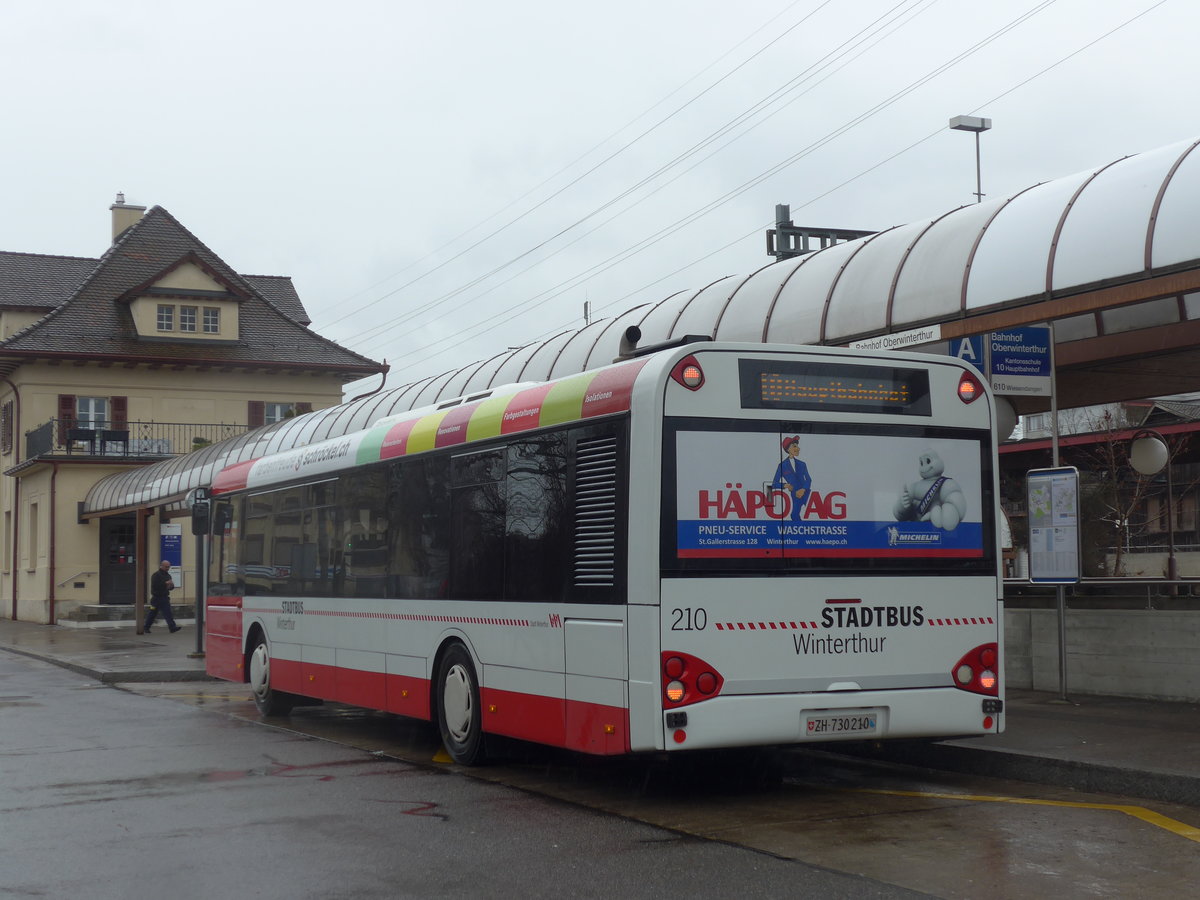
455	703
270	702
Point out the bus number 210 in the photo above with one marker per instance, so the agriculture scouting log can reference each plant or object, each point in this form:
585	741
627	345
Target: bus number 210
689	619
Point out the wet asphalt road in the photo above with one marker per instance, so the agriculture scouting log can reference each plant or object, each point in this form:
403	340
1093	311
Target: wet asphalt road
180	791
109	794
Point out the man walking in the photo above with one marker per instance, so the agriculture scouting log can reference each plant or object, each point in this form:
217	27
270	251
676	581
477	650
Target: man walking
161	586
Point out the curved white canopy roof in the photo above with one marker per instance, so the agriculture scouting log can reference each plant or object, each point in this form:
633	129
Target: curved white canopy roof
1130	220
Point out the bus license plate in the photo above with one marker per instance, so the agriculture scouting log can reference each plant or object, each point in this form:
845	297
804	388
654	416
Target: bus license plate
840	723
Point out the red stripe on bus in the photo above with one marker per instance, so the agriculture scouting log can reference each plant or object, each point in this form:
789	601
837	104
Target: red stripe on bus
452	430
395	442
760	626
572	724
232	478
611	390
587	727
223	641
843	552
950	623
524	410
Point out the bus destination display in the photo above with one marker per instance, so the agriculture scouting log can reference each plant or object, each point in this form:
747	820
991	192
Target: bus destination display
795	384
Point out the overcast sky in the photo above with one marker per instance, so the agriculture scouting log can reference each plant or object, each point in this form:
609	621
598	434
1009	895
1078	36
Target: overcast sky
443	181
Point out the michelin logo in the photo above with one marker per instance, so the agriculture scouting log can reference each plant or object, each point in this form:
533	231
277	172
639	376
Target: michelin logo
898	538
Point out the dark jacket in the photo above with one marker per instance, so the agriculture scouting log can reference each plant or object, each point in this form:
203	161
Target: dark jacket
160	585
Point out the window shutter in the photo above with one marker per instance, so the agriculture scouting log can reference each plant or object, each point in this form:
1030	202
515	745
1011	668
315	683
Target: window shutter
66	417
119	410
6	427
256	413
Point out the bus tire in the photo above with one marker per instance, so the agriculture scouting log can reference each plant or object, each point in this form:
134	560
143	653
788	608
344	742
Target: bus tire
269	701
460	720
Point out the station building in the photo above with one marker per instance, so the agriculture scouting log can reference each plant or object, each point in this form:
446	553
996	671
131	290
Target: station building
151	351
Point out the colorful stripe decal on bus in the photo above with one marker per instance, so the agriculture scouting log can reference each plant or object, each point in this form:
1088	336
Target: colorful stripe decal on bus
584	396
570	400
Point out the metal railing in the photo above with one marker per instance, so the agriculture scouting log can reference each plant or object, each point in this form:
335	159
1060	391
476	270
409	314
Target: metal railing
1124	592
73	438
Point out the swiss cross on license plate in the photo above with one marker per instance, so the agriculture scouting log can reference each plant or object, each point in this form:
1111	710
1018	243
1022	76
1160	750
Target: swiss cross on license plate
841	723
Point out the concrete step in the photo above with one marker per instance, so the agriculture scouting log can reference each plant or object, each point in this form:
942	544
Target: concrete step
117	612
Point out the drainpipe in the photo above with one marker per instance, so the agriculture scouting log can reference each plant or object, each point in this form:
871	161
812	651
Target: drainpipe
53	536
15	519
140	572
382	382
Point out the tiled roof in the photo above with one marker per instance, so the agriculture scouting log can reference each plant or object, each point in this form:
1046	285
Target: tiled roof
280	293
93	321
1188	412
33	281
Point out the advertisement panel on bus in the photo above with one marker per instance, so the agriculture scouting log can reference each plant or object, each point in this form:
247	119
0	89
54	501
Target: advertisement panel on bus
763	494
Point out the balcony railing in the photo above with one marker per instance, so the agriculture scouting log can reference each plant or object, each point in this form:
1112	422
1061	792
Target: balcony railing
60	437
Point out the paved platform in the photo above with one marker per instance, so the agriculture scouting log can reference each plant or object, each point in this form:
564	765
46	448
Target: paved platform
110	654
1137	748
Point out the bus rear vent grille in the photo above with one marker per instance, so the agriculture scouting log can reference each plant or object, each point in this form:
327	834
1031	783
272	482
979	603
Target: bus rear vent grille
596	512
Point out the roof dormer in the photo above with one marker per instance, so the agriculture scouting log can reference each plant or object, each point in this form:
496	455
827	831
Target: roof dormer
186	302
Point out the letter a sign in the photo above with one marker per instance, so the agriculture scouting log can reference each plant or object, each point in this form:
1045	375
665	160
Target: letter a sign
970	349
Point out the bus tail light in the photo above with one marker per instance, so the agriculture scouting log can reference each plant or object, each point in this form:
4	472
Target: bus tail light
977	672
688	373
688	679
969	388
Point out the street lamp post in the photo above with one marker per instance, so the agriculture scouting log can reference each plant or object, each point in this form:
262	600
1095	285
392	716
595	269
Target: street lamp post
975	124
1149	455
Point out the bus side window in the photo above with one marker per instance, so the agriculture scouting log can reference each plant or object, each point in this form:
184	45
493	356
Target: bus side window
537	535
224	572
477	510
418	551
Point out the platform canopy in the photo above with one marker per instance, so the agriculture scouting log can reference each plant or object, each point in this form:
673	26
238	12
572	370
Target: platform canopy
1110	256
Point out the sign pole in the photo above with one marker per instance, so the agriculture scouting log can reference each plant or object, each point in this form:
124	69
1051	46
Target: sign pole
201	509
1060	589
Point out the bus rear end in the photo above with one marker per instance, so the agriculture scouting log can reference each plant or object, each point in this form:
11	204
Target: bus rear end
827	554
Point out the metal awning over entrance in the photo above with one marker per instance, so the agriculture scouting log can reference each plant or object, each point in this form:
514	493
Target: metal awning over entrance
1111	256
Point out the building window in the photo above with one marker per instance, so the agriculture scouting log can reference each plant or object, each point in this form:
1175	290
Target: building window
268	412
91	412
277	412
187	318
166	317
212	320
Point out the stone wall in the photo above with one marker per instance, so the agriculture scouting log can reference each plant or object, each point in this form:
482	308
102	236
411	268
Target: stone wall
1146	653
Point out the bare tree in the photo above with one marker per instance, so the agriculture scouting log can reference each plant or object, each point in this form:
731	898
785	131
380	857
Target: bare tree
1115	488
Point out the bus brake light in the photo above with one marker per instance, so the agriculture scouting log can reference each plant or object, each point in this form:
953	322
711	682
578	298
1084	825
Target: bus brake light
969	388
688	679
976	672
688	373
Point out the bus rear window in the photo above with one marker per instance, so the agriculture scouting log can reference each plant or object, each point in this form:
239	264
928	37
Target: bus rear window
828	387
775	497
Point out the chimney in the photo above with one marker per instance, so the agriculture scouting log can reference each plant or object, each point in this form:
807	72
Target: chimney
124	215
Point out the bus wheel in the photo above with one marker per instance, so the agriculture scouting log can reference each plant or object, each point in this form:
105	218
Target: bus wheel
459	718
269	702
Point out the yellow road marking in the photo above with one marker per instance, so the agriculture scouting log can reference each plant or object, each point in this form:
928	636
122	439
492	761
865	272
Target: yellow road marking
1138	812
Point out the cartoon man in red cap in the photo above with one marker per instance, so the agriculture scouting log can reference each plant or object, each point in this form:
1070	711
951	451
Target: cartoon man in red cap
792	476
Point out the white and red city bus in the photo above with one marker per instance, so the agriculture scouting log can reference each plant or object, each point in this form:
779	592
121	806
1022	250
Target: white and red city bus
711	545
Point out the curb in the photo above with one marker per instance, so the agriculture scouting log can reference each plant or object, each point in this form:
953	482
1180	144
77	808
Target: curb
1071	774
116	677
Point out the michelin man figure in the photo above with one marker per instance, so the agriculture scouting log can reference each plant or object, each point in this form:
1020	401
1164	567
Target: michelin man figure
935	498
